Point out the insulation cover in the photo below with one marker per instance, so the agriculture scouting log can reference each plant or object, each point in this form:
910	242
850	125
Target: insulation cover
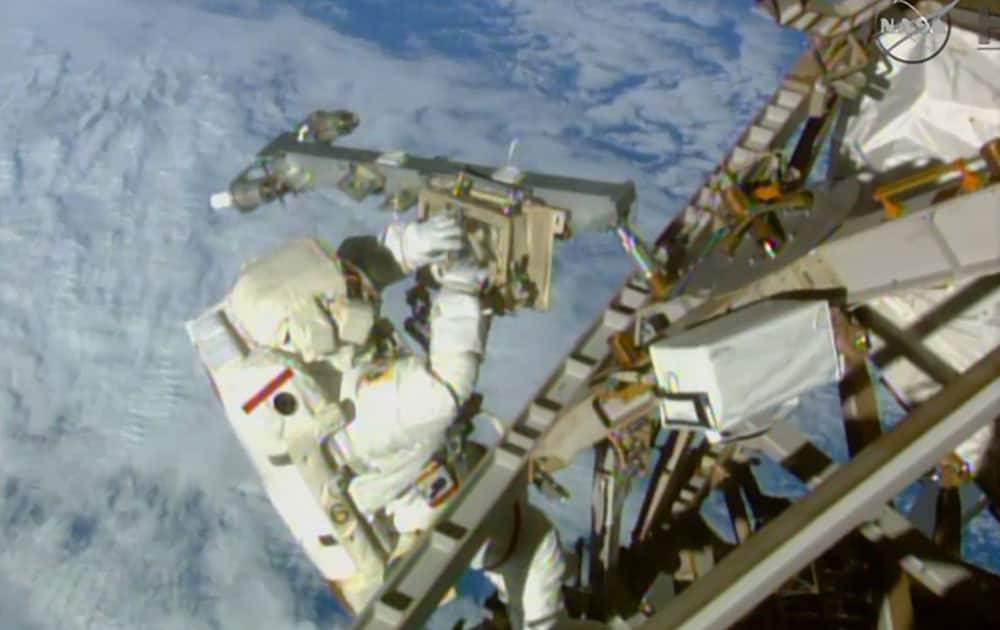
749	360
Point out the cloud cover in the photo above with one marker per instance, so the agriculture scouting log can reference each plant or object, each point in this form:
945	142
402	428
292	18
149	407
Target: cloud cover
124	501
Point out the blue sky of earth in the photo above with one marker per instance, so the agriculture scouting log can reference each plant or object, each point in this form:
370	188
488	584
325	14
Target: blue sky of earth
125	502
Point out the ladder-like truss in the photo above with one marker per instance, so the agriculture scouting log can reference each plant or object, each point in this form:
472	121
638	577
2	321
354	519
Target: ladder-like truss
698	580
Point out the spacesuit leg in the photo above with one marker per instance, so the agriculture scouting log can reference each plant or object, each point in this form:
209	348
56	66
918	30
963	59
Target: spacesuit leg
524	559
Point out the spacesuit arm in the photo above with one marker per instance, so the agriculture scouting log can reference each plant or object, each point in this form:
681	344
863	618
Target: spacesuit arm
457	339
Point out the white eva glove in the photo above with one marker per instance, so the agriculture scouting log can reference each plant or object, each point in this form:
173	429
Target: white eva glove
416	244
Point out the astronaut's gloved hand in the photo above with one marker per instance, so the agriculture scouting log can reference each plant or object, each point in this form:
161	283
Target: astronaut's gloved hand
462	275
417	244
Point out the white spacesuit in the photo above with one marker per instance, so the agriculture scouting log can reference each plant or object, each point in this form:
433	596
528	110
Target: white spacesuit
306	301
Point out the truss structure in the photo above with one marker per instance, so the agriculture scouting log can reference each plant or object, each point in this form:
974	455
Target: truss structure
764	225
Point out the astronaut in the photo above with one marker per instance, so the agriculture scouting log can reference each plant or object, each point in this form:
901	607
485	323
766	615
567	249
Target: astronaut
321	306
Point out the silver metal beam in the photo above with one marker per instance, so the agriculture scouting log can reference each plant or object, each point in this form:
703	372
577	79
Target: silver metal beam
853	494
666	483
896	609
328	163
911	346
610	490
946	242
800	457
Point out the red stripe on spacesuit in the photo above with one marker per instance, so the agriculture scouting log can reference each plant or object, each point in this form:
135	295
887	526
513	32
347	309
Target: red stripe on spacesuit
268	389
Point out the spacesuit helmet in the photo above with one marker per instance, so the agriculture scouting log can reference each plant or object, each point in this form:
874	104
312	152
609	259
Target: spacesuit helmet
301	298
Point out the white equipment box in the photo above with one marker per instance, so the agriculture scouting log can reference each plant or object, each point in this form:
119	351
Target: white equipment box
746	362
